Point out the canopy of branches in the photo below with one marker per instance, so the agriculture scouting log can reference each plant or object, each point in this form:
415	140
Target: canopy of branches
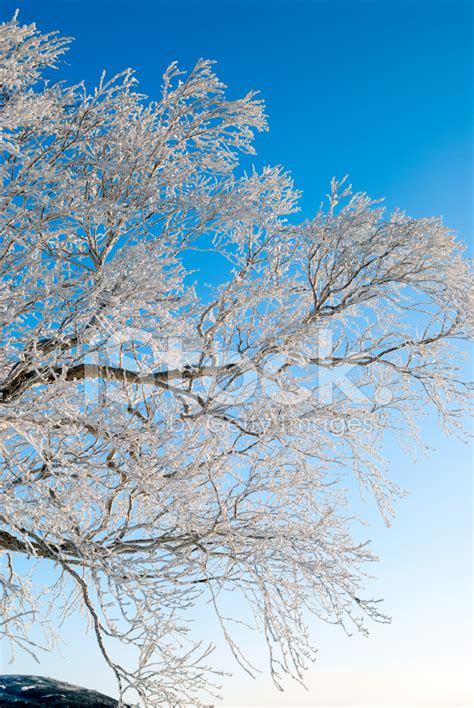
164	443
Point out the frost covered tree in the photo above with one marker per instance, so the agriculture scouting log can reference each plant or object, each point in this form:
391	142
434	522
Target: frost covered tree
164	442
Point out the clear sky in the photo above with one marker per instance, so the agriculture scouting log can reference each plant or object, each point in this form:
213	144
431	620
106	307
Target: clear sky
381	91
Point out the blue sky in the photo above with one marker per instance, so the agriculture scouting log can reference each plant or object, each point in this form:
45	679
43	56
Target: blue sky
381	91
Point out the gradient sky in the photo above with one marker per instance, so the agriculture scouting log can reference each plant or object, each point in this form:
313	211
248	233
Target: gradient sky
381	91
